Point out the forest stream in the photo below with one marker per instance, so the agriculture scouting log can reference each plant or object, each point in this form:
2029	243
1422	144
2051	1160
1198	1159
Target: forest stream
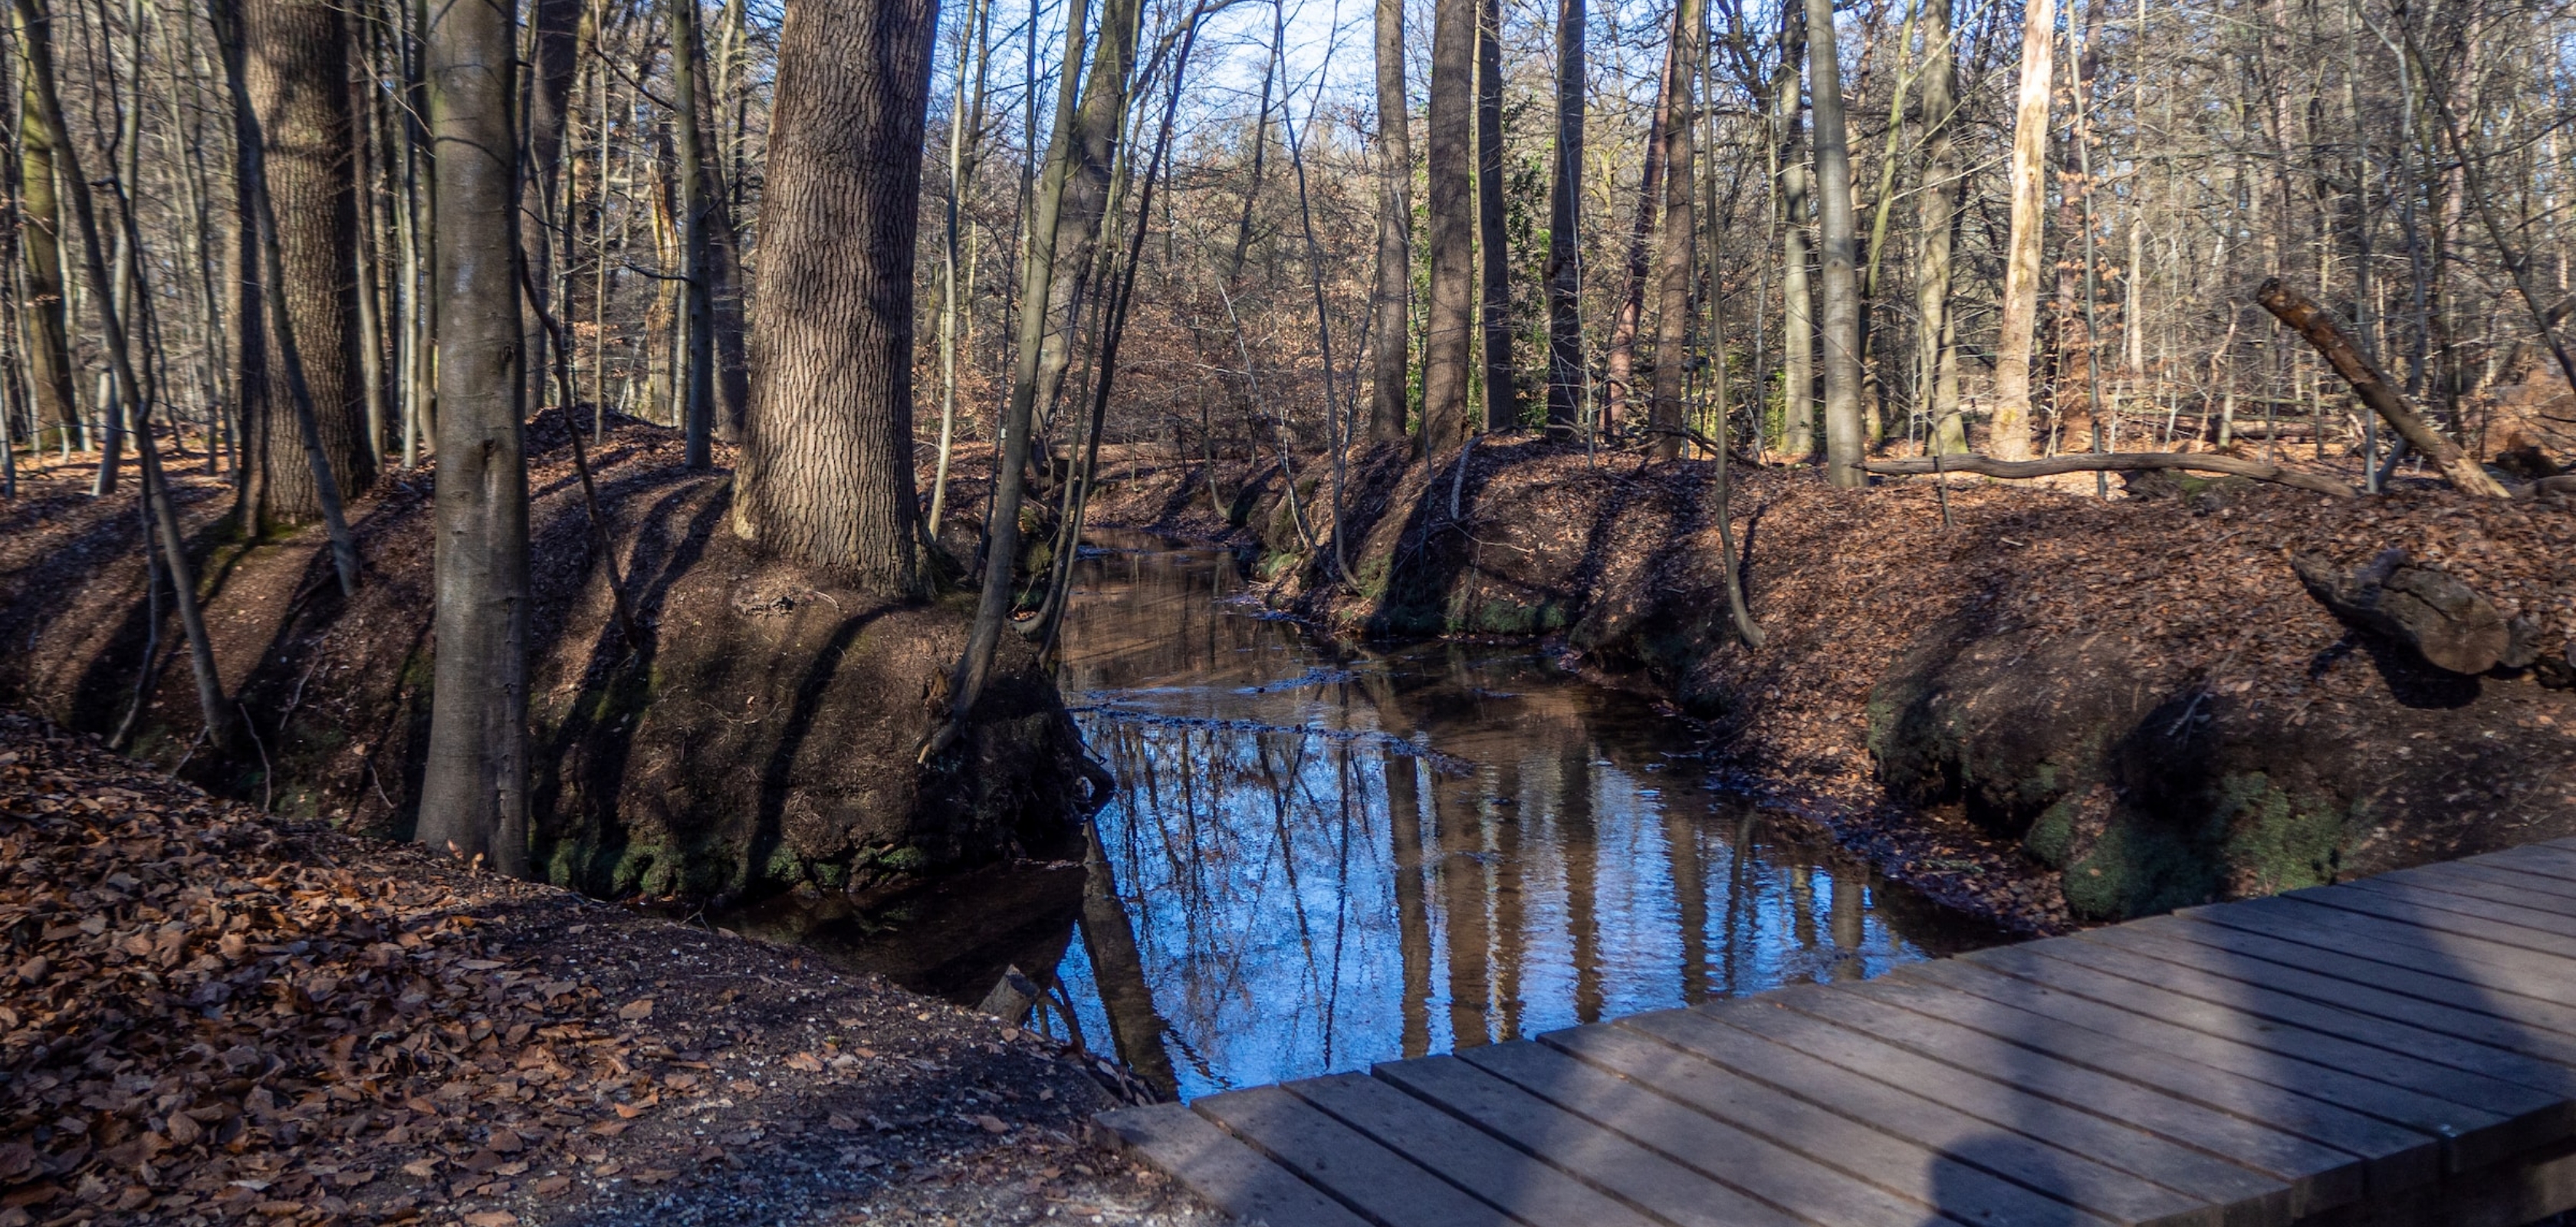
1324	855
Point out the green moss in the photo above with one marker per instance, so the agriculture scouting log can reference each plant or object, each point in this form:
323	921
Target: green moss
2053	836
906	859
2136	869
1372	577
2275	842
784	865
831	874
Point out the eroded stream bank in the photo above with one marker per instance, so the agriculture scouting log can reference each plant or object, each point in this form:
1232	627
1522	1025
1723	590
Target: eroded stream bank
1325	855
2035	706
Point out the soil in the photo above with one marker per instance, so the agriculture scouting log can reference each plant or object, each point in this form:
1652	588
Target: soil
2051	710
210	1014
759	738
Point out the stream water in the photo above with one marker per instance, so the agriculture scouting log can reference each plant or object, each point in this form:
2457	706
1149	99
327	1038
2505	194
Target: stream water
1323	856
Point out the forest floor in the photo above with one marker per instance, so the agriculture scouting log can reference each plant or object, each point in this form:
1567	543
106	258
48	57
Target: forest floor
209	1014
2003	694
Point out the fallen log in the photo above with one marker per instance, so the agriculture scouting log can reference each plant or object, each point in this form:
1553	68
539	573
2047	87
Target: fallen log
2318	326
2444	620
2113	462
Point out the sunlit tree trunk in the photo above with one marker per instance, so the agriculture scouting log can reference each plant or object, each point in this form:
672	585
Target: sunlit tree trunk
474	788
1797	295
1938	223
698	392
2011	425
828	472
1621	377
554	43
1680	227
44	307
1838	234
1450	170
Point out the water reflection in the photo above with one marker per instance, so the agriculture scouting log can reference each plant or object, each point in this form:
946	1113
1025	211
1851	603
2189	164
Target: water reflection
1326	856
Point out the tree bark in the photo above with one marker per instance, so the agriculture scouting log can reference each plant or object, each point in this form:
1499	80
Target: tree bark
1099	125
2011	425
2318	326
1565	370
829	476
1797	295
554	35
474	788
1502	397
1622	358
2110	462
1838	235
1680	232
1938	225
698	393
295	69
1450	131
1391	323
45	306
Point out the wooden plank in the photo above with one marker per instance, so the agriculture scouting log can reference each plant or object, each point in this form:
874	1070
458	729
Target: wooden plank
2009	1109
2489	1072
2554	859
1604	1159
2290	1175
2454	1104
1466	1156
2392	1156
2528	1188
1334	1157
2494	968
1747	1160
1908	1169
2360	998
2516	874
2549	912
2454	986
2436	910
2061	1174
1223	1171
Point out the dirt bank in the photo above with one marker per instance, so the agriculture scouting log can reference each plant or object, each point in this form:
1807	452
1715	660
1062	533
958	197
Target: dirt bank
760	737
212	1015
2056	710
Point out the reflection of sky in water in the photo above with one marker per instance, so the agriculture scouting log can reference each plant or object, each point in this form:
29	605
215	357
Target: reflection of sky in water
1332	857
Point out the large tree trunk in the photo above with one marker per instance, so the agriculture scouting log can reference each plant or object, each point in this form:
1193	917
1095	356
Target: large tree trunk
1680	227
1565	373
1838	235
295	67
1450	130
49	360
1938	225
1391	324
474	788
2011	426
829	478
1502	398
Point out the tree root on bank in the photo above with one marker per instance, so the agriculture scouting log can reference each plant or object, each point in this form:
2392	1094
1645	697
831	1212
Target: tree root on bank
2115	462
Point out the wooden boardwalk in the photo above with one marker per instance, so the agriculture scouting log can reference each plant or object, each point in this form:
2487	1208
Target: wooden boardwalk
2398	1049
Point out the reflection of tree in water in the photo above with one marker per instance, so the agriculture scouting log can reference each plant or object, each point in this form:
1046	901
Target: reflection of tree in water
1330	857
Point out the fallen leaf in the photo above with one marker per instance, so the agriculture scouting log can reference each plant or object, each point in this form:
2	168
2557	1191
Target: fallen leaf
637	1010
422	1168
992	1124
491	1218
552	1186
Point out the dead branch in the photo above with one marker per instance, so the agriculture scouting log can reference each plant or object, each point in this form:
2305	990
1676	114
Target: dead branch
2318	326
2113	462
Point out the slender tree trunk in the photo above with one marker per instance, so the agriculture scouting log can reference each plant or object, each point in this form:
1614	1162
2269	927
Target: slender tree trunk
1450	132
1622	359
828	475
949	291
554	44
45	306
2072	393
1938	223
2011	427
295	69
1502	398
1565	371
1098	129
1838	235
1391	310
1797	293
1680	226
474	789
698	394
